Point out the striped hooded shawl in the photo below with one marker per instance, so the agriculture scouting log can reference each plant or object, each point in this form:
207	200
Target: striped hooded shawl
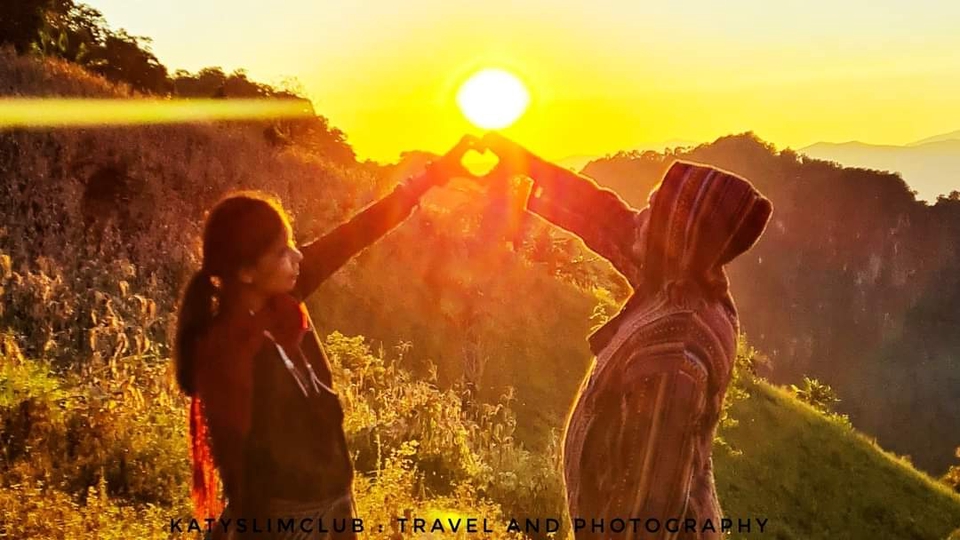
638	440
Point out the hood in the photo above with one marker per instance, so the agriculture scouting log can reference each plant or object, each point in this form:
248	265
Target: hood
699	219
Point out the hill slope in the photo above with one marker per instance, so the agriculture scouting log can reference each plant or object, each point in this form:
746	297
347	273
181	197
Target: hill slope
813	477
952	136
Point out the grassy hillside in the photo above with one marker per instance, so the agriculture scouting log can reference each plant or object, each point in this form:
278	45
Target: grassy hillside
815	477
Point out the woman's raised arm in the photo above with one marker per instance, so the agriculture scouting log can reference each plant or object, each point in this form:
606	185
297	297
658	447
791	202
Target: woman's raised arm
327	254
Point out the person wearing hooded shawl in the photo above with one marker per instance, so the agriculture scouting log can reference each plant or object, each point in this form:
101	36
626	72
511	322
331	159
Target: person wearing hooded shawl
638	441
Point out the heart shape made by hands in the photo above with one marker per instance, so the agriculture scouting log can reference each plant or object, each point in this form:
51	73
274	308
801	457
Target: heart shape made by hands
479	164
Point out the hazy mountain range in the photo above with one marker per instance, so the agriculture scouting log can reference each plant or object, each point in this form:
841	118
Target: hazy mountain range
577	163
930	166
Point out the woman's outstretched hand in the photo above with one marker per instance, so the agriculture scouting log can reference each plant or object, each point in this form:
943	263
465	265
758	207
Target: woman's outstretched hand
514	159
441	170
450	165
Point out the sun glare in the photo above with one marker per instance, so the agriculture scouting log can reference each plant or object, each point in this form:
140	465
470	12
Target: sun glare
493	99
63	112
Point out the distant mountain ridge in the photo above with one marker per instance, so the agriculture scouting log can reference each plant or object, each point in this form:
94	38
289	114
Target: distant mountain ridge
930	166
578	162
952	136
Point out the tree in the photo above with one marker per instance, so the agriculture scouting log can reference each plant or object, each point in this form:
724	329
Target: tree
78	33
21	21
70	31
125	58
816	394
213	82
952	477
954	196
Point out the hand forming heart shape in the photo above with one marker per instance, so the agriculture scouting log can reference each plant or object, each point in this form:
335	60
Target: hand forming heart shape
479	162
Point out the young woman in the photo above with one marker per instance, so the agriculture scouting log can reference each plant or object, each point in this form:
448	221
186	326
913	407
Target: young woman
264	413
638	441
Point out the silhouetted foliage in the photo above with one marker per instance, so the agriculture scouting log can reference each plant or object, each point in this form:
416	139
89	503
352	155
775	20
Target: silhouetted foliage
21	22
952	477
214	82
78	33
124	58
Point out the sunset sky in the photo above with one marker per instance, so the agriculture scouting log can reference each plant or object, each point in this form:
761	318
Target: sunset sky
602	76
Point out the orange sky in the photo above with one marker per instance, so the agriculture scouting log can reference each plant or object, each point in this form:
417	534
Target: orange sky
603	75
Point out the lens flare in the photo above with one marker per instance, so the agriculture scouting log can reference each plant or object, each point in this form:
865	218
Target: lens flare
493	99
69	112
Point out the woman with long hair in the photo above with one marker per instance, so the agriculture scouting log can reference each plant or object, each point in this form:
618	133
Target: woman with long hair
263	413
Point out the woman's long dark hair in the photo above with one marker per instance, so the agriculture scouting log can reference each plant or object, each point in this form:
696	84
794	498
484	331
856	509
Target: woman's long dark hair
236	233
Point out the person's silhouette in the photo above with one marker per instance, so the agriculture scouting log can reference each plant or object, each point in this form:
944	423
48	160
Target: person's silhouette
638	441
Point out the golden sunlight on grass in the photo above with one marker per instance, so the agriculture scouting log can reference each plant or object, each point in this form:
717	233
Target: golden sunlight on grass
493	99
57	112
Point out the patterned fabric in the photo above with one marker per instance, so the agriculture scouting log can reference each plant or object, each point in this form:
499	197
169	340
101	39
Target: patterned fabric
638	441
699	219
639	438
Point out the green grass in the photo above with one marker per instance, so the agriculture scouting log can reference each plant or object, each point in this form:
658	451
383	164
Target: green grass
814	477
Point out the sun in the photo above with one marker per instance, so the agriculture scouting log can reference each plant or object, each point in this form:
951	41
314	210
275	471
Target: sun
493	99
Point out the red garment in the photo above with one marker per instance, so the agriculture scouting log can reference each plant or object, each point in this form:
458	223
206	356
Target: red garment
226	353
221	410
